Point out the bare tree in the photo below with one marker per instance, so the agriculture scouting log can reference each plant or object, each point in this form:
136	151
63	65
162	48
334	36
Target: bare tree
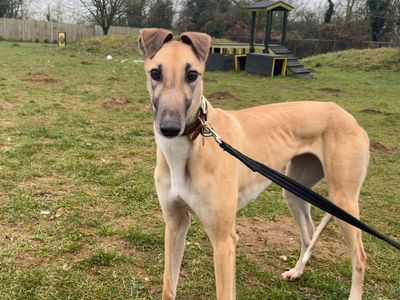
12	9
349	9
55	12
329	12
378	16
105	12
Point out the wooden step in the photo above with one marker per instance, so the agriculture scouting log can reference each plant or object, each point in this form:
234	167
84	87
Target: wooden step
299	70
281	52
294	63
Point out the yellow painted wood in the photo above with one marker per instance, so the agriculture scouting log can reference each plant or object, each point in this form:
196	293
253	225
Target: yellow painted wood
235	48
284	64
237	61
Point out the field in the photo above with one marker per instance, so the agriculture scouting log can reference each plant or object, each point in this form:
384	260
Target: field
79	217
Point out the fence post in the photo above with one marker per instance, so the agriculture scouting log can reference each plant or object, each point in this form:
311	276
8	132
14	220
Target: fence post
5	29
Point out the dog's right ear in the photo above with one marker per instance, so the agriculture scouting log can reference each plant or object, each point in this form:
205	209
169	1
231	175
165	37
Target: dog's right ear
152	39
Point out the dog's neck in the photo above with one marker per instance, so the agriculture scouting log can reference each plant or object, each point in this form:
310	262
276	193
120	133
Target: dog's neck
178	150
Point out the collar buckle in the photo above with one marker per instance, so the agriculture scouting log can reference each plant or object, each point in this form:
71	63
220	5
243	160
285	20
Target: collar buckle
207	131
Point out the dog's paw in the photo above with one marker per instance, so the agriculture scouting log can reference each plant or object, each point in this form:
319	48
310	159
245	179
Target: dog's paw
291	275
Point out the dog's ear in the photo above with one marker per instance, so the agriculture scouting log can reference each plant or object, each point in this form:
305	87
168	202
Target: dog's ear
152	39
201	43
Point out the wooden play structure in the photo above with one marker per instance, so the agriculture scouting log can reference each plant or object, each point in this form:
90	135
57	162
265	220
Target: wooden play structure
268	59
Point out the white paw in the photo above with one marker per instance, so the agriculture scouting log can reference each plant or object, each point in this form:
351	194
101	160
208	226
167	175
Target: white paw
291	275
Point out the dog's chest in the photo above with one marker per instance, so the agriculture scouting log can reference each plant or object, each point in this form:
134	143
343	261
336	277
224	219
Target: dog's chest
176	152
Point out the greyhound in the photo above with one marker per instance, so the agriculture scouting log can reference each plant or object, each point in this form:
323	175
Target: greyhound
311	139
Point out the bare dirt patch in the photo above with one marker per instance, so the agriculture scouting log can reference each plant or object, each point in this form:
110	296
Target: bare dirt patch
378	146
221	96
48	187
116	101
43	78
373	111
7	105
124	223
14	232
257	235
331	90
110	244
114	78
6	123
29	260
89	88
260	233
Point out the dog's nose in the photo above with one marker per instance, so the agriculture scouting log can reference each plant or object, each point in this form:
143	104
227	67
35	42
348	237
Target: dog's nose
170	129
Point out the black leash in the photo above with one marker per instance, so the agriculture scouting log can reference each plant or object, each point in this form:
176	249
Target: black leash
296	188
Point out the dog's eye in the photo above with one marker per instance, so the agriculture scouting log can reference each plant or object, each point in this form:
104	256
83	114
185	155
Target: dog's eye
192	76
155	74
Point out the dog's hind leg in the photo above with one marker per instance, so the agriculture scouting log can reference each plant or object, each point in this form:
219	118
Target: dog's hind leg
317	233
352	236
346	167
306	169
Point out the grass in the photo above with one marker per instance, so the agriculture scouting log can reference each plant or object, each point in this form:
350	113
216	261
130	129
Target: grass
384	59
79	215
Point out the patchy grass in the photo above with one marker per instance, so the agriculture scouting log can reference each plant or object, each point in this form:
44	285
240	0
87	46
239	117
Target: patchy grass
383	59
79	216
114	45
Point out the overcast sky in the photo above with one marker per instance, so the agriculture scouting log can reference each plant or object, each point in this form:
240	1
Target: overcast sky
73	9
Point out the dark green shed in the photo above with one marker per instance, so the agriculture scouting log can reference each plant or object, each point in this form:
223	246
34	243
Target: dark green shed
268	7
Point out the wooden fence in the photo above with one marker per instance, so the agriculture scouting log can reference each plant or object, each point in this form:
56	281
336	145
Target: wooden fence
41	31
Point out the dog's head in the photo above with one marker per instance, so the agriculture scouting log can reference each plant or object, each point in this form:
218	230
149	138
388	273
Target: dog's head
174	72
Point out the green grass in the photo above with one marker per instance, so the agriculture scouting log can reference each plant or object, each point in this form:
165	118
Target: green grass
81	148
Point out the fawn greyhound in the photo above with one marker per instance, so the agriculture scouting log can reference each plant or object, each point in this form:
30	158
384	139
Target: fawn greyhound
311	140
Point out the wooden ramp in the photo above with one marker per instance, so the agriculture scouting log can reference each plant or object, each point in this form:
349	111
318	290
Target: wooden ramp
294	65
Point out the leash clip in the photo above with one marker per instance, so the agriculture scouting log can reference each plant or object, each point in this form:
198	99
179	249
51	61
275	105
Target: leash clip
207	131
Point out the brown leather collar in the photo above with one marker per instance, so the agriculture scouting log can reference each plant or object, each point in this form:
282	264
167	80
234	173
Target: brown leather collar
195	127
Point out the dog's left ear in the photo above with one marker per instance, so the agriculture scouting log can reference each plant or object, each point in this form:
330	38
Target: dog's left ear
201	43
152	39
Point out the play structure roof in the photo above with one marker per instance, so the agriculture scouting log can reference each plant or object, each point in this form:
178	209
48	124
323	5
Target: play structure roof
270	5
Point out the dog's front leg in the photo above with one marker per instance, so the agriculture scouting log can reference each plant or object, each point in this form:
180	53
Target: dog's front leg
224	264
177	222
220	225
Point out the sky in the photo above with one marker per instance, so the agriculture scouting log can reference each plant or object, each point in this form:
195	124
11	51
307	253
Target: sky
73	11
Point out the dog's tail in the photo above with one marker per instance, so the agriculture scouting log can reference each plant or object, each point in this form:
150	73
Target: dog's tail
317	233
